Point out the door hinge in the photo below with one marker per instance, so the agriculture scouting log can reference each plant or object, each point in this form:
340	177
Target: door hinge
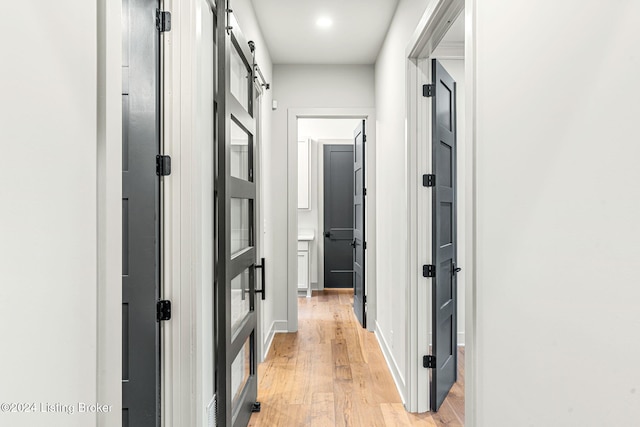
428	90
163	21
364	138
429	361
163	165
163	309
364	191
364	245
429	270
428	180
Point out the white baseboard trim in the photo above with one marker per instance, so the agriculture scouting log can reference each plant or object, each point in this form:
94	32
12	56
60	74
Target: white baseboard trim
391	362
276	327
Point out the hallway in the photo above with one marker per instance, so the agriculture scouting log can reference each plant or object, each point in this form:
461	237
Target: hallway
332	372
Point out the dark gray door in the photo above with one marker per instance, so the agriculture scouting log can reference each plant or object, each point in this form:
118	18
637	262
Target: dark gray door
444	374
140	215
359	241
235	290
338	216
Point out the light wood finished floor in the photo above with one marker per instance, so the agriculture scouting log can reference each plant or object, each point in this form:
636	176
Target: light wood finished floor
332	373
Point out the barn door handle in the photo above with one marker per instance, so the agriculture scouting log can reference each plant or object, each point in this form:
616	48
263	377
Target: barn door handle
262	291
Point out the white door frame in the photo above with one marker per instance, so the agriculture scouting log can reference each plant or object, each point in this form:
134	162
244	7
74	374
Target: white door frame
258	151
109	211
292	204
433	25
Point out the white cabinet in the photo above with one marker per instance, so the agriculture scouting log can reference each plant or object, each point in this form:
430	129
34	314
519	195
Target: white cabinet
304	269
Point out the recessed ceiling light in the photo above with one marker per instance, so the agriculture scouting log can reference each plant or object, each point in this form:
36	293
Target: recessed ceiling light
324	22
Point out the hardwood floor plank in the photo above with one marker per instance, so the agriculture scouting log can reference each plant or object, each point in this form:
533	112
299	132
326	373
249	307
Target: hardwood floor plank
301	392
344	405
394	415
322	410
446	416
322	378
340	352
422	420
456	401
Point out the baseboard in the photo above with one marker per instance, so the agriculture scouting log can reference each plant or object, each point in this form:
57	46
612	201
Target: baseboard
391	362
276	326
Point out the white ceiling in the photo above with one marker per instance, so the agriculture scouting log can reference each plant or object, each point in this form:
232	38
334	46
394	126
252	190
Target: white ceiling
358	30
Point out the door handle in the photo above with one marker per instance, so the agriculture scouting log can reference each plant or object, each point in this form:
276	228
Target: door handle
455	270
327	234
262	291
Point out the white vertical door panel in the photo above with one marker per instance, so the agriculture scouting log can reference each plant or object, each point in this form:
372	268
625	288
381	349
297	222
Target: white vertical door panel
202	169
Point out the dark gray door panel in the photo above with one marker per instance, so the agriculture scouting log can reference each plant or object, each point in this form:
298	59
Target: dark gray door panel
140	215
359	241
444	284
338	216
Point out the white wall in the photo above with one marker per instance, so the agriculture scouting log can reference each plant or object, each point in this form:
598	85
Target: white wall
392	279
304	86
327	128
557	212
320	132
59	131
455	67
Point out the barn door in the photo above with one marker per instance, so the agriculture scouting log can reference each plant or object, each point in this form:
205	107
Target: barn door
235	288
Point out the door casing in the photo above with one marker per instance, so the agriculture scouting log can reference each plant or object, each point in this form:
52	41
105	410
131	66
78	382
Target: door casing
429	31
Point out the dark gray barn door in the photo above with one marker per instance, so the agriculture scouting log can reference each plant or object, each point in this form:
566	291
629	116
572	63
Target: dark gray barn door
338	216
140	215
235	287
359	241
444	305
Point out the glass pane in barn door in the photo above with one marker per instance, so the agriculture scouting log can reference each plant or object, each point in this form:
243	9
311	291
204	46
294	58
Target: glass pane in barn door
235	290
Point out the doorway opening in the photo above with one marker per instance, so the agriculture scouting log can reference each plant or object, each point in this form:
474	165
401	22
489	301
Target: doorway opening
440	152
309	131
325	201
